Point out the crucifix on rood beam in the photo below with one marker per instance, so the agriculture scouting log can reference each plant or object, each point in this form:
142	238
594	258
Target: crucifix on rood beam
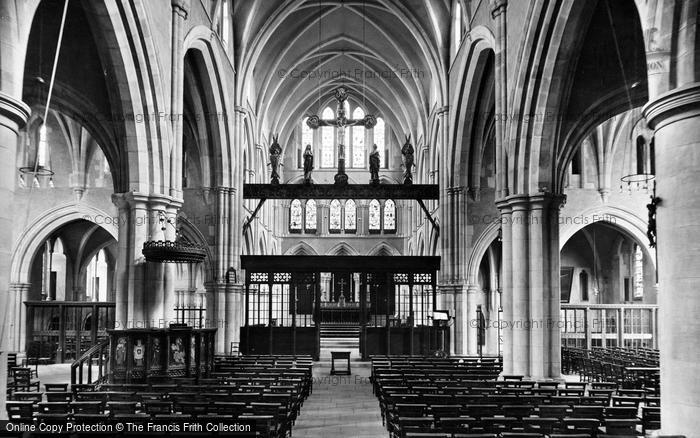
341	122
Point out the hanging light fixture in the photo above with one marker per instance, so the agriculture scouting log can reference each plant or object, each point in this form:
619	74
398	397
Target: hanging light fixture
180	250
641	170
40	166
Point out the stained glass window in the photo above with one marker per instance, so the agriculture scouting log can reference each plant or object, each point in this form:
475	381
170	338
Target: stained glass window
350	216
375	223
295	215
389	215
335	216
358	140
307	135
310	215
327	140
379	130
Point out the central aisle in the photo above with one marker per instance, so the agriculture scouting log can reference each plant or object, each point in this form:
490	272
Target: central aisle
340	406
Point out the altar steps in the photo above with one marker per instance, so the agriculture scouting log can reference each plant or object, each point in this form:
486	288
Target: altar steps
339	331
340	343
341	337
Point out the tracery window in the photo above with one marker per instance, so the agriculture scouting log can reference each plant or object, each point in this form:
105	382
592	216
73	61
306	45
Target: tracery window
350	216
295	216
379	132
335	217
358	140
375	223
310	211
389	216
307	137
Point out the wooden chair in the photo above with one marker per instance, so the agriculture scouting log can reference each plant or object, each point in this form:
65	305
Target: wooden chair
616	427
621	412
193	408
414	424
87	407
56	387
154	408
54	408
428	435
553	411
264	425
59	396
588	411
580	425
540	424
121	408
21	380
20	411
498	424
522	435
454	424
11	362
121	396
474	435
651	418
82	387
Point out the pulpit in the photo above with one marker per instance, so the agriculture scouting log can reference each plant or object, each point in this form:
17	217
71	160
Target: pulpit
140	355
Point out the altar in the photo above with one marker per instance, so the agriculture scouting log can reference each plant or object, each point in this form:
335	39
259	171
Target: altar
340	312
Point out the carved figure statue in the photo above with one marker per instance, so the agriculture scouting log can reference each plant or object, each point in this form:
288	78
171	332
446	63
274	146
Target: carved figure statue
374	165
308	164
408	160
275	153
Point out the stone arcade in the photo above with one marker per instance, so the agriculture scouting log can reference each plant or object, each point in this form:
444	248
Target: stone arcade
541	226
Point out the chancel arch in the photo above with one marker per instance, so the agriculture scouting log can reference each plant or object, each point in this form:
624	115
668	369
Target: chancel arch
532	205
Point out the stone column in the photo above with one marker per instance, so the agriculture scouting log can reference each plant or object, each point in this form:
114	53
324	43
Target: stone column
216	313
675	117
177	79
140	293
545	286
235	307
18	335
498	13
519	288
154	289
13	116
530	324
506	286
169	269
471	326
461	319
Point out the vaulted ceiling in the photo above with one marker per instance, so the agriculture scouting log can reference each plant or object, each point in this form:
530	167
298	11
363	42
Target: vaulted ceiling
390	54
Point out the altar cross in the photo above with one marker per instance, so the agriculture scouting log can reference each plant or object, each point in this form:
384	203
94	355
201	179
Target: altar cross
342	284
341	122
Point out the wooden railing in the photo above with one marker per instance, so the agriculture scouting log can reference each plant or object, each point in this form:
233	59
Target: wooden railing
97	355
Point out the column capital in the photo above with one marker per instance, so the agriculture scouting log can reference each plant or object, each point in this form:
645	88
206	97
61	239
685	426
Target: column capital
180	7
498	7
674	105
20	287
442	110
14	110
451	288
530	202
472	288
131	199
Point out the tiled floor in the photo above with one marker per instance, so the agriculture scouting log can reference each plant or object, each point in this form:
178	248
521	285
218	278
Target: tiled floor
340	406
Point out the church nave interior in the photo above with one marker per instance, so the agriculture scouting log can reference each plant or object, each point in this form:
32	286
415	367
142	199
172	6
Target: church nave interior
483	210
